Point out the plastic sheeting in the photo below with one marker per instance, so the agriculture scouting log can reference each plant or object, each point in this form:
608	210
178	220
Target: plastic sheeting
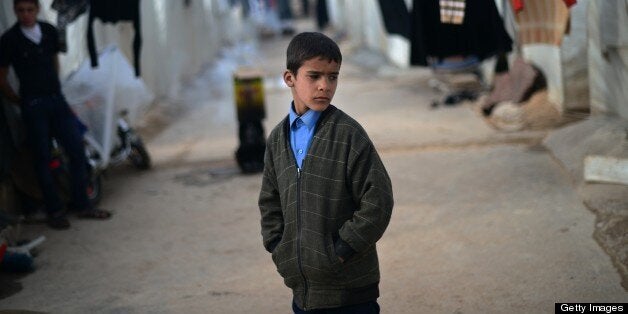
98	95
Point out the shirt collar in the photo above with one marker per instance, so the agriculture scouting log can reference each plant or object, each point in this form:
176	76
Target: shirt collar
309	118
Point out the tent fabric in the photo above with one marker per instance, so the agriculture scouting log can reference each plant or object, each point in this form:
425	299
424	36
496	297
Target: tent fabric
608	56
614	22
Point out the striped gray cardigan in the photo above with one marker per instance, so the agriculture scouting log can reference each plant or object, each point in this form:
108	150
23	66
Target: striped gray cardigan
338	204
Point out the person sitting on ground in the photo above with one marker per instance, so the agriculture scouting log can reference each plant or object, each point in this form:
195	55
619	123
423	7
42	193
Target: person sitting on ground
326	197
31	48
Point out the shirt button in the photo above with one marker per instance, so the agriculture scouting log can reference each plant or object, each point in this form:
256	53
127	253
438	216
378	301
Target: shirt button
300	151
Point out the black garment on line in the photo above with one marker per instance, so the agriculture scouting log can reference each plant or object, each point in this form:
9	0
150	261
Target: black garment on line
113	11
396	17
482	34
71	9
67	12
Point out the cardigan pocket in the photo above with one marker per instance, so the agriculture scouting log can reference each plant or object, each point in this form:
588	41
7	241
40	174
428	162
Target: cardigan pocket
334	260
280	257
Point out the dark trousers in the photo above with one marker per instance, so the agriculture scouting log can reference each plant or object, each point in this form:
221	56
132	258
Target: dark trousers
46	117
362	308
322	16
285	10
305	7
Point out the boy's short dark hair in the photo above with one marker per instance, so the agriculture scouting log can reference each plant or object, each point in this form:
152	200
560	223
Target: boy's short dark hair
35	2
308	45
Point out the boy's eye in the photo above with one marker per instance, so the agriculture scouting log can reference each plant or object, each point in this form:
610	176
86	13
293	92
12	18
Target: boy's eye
313	76
333	77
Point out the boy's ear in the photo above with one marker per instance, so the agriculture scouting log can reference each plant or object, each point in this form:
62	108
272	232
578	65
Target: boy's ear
289	78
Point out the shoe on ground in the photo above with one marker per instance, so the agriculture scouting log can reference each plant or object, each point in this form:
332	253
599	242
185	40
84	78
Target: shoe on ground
96	214
59	223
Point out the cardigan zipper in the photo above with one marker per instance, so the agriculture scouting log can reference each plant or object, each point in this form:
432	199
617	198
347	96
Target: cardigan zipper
299	230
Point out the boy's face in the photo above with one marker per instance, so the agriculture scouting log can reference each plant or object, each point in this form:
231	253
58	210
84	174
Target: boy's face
26	13
314	84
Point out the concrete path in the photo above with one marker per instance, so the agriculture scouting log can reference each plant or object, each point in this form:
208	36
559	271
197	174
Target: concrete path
484	222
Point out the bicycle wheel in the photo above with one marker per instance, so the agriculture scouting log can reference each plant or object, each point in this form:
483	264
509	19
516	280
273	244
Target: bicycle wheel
139	155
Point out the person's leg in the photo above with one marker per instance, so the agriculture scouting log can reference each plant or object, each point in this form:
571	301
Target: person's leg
322	16
362	308
35	114
285	10
65	128
298	310
305	7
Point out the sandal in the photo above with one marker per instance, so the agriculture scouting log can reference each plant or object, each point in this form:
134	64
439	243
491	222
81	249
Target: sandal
97	214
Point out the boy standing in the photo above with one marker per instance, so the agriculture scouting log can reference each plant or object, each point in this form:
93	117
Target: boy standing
326	197
31	47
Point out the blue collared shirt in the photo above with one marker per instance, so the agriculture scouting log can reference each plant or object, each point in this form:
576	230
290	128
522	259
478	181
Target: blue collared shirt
301	132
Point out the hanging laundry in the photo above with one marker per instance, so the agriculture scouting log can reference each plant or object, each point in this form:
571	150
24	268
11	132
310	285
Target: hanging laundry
482	32
569	3
67	12
517	5
542	22
113	11
452	11
70	9
396	17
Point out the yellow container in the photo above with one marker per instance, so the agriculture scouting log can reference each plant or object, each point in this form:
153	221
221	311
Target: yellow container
249	94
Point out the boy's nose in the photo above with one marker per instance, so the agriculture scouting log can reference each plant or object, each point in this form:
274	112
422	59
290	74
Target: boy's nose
323	84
